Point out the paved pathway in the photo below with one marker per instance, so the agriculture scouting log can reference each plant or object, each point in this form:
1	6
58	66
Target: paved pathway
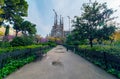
60	64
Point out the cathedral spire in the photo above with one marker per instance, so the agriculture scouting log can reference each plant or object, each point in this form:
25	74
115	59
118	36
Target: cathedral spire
55	18
60	20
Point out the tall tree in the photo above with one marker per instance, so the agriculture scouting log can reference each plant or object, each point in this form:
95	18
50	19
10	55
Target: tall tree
13	11
13	8
95	16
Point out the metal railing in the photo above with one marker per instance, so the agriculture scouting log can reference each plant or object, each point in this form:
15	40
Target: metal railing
105	60
5	57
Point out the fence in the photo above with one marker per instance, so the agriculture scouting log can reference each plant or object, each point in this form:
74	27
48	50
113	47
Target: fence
5	57
103	59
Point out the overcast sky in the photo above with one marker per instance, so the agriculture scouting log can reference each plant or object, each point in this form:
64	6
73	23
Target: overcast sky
41	12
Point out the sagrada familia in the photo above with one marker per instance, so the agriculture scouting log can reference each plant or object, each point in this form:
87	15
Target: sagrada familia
58	27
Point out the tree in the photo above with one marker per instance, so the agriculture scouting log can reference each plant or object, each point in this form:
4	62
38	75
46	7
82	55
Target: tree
13	8
32	29
18	24
13	11
105	33
7	30
94	19
1	11
28	27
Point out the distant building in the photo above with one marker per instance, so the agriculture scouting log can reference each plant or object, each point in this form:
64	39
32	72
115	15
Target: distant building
58	28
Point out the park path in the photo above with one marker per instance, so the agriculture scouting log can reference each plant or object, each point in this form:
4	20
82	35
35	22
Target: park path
60	64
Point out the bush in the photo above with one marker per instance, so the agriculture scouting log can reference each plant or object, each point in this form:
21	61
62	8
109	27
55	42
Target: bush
4	44
117	43
103	48
21	41
49	43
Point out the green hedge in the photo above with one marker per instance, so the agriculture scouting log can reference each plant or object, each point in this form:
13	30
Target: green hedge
10	49
13	64
22	41
103	48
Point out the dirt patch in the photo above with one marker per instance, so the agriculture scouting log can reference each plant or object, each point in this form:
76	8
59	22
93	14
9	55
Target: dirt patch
57	63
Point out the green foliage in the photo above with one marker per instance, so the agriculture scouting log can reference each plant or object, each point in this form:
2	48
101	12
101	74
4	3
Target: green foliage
11	49
14	65
18	24
4	44
12	12
97	55
1	2
92	24
49	43
1	11
112	71
103	48
117	43
13	8
77	41
22	41
28	27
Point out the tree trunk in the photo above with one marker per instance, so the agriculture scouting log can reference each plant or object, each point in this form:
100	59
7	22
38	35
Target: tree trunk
5	38
91	43
16	33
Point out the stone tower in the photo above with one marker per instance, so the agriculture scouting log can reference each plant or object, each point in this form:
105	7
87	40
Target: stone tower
58	27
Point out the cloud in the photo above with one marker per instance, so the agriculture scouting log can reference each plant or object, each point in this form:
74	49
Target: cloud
40	12
67	8
72	8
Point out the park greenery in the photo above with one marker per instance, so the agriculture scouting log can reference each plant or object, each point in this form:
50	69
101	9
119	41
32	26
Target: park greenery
94	30
12	63
96	36
93	24
12	14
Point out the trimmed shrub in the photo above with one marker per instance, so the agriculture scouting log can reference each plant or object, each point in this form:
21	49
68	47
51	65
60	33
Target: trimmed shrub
21	41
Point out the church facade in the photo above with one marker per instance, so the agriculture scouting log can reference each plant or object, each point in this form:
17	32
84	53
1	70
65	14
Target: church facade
58	28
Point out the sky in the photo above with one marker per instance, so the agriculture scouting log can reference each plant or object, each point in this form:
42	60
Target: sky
41	13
